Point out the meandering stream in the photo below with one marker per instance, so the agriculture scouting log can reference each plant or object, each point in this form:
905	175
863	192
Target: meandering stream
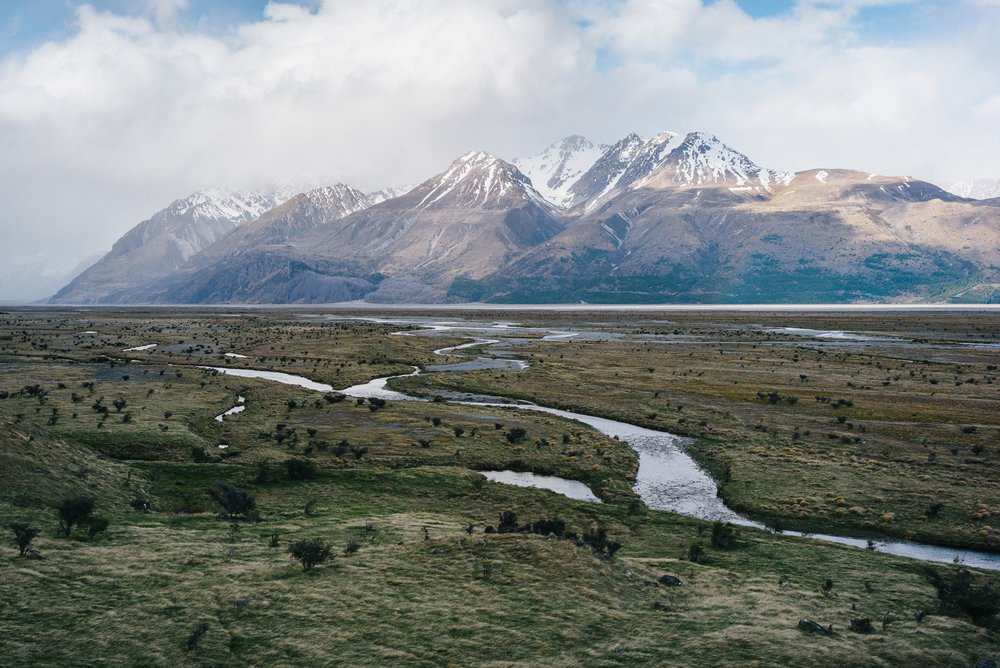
667	478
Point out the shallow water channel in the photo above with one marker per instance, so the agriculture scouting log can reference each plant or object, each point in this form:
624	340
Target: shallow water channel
667	478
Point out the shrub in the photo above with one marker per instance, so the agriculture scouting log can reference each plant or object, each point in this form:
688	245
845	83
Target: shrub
352	547
515	434
141	504
695	553
96	524
74	510
199	455
300	469
235	502
723	536
23	535
963	593
310	552
599	543
196	634
508	522
264	474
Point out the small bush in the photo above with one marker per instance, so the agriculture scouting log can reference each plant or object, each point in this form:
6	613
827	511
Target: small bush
599	543
23	535
74	510
141	504
300	469
508	522
515	434
95	524
964	593
723	536
264	474
352	547
310	552
696	553
196	634
235	503
199	455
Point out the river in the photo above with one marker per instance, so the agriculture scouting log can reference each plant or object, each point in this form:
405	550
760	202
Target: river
667	478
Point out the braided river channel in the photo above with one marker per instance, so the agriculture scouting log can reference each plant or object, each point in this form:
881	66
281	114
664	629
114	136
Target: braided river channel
667	478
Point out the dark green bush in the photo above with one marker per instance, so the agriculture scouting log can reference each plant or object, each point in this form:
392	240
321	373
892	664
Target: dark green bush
723	536
515	434
23	535
95	524
74	510
235	503
300	469
310	552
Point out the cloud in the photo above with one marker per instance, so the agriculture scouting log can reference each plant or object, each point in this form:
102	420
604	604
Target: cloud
104	127
166	11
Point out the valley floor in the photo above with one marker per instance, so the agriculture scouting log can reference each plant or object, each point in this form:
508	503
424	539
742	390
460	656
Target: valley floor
870	424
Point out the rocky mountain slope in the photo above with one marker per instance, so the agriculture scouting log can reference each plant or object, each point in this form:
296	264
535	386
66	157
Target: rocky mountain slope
470	219
166	241
676	218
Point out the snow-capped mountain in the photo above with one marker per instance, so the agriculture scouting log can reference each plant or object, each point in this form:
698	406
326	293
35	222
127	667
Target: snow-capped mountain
674	218
169	238
194	222
554	171
480	180
469	218
605	175
701	160
576	171
976	188
379	196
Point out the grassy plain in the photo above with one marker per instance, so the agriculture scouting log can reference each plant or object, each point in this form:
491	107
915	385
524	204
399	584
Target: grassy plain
399	481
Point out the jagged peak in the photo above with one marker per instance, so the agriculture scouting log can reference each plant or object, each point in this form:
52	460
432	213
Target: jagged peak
477	158
477	179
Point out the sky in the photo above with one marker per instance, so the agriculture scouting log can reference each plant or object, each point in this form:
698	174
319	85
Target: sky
111	110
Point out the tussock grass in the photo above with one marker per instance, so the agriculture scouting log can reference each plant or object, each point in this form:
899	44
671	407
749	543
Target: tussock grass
420	590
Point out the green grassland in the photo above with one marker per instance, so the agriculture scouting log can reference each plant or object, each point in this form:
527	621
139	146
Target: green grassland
427	585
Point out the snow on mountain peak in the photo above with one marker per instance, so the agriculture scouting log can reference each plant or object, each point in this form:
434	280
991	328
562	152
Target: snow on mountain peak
701	159
340	199
477	179
554	171
976	188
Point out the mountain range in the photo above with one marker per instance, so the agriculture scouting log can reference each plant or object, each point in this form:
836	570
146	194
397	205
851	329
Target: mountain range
671	219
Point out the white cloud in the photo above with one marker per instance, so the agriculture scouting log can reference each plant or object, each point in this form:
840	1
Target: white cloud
105	127
166	11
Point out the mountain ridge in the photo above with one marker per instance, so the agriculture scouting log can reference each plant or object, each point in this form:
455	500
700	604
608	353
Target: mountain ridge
671	218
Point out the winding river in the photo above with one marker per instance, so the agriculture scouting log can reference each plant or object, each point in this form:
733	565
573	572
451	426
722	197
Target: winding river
667	478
